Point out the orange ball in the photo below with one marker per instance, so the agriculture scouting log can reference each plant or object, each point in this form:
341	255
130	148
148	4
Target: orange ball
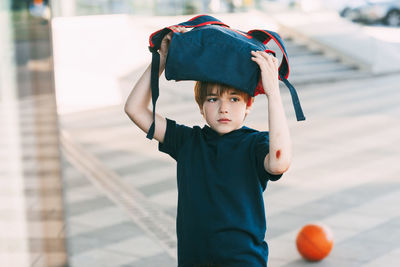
314	242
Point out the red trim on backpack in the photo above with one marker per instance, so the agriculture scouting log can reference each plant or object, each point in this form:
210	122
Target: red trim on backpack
151	36
172	29
197	17
265	41
204	23
270	52
248	36
283	51
203	15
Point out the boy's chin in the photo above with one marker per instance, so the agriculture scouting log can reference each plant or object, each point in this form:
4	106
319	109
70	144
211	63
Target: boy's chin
223	130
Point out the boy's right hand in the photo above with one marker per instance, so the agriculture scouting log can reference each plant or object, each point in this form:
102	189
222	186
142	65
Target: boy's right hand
167	40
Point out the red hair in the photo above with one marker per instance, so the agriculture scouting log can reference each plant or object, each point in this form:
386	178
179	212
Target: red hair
202	89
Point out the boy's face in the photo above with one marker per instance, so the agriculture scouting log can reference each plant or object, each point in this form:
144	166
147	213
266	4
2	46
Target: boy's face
226	112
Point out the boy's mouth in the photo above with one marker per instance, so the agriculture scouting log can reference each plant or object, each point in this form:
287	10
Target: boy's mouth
224	120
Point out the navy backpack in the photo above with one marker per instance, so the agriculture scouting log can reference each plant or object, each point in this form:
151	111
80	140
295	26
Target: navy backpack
214	52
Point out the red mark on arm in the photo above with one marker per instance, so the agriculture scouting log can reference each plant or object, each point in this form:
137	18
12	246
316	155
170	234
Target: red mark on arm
278	154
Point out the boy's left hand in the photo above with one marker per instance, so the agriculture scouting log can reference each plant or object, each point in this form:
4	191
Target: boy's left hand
269	71
167	40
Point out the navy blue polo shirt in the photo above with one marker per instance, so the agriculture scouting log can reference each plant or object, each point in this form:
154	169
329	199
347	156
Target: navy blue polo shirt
221	179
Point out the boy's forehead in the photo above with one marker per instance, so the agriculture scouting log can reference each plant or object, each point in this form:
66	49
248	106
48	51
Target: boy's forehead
216	90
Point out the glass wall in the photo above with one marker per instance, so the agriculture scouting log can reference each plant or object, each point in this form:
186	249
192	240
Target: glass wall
31	205
148	7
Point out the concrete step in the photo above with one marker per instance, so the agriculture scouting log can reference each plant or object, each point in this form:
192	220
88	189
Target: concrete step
309	59
299	50
324	77
300	62
312	65
319	68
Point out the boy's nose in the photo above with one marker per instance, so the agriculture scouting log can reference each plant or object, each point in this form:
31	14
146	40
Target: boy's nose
223	108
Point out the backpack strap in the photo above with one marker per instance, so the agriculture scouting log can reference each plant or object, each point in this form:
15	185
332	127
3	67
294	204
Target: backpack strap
155	44
265	36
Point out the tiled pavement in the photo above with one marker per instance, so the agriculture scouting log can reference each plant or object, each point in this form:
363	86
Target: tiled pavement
120	193
31	208
345	173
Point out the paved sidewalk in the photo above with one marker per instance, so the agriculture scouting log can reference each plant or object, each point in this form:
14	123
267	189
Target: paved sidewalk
344	174
121	192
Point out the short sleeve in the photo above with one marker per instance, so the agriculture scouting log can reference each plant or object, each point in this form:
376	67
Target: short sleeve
262	149
174	139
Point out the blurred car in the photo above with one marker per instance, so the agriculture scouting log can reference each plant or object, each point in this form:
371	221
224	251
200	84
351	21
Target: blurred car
373	11
348	9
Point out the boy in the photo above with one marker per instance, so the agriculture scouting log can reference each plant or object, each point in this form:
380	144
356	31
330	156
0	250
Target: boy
222	168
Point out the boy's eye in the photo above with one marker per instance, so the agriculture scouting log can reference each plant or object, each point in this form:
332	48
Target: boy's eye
212	99
235	99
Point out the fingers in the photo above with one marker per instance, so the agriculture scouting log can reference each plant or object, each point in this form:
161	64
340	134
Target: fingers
179	29
168	36
262	54
261	57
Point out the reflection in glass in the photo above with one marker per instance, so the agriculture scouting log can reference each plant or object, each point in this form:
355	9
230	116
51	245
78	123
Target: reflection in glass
32	224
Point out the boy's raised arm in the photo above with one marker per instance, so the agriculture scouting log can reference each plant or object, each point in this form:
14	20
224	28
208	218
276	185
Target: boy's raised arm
137	104
279	157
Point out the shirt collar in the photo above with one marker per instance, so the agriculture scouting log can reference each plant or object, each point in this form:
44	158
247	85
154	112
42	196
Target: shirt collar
211	134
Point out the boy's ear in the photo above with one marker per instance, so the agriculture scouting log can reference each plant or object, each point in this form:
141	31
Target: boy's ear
249	105
248	109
